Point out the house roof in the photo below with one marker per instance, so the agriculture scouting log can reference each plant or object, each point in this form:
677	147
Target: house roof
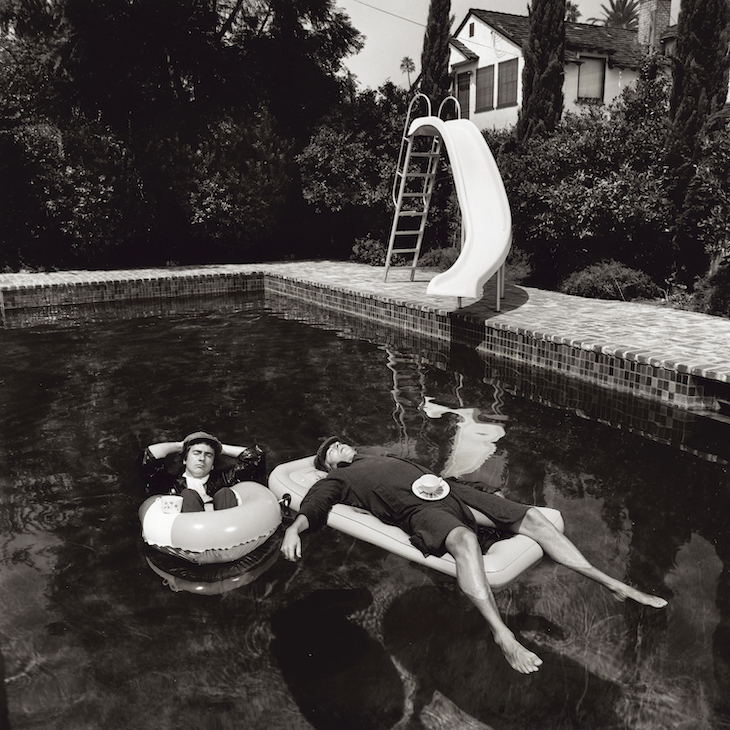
619	44
465	51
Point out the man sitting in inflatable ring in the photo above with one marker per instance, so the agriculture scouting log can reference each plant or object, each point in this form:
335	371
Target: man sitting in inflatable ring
201	483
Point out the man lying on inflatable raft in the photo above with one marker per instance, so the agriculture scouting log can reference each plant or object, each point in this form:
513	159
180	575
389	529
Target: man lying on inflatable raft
392	489
207	514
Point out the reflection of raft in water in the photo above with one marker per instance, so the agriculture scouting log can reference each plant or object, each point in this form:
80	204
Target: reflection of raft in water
504	561
219	536
214	579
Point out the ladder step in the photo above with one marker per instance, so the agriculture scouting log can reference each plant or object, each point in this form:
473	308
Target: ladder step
404	250
426	154
412	213
414	195
408	233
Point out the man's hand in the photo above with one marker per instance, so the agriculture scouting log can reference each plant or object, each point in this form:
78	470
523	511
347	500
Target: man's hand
291	545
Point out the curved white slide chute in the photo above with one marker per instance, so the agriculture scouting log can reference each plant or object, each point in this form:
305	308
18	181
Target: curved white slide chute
485	211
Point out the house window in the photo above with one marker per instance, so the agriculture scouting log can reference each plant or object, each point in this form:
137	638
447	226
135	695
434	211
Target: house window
507	83
591	77
485	89
462	93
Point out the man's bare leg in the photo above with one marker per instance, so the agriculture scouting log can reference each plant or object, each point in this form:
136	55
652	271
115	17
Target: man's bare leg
557	546
462	543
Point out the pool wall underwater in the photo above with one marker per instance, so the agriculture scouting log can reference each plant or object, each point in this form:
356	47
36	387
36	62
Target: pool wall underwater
622	372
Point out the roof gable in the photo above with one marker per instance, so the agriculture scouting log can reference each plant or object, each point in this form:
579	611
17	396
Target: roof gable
465	51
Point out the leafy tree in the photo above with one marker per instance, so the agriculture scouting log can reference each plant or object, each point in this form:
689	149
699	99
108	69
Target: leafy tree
542	79
594	189
134	61
619	14
435	78
202	104
347	168
699	92
28	18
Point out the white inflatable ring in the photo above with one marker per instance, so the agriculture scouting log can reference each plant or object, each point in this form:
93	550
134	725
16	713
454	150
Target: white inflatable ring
216	578
219	536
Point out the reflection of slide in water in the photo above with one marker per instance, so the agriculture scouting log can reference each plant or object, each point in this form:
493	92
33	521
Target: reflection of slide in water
474	441
485	211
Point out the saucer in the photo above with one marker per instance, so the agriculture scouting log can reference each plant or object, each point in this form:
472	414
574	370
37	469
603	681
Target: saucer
440	493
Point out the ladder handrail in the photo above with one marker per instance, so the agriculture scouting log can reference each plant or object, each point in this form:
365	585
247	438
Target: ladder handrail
456	104
404	139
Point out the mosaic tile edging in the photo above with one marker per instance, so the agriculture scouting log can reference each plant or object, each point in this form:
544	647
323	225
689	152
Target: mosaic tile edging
644	377
662	422
617	368
647	376
123	289
623	352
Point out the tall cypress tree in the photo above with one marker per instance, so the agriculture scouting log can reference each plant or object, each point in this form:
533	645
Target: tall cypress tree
435	78
700	74
542	78
700	89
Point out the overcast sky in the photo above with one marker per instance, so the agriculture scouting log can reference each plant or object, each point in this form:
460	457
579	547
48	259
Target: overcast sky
394	29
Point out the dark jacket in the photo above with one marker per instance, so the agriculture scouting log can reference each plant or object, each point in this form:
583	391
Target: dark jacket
249	465
382	485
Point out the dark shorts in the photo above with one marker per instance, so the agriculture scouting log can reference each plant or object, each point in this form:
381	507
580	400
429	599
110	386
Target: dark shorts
431	524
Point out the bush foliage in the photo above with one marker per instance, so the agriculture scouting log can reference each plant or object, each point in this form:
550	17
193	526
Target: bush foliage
186	148
610	280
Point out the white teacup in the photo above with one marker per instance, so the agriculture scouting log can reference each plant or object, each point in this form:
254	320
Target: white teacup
429	483
170	503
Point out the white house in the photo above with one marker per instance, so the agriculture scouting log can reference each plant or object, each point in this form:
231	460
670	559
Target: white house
486	61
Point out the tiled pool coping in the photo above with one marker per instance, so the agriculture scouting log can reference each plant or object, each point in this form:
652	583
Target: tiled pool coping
678	358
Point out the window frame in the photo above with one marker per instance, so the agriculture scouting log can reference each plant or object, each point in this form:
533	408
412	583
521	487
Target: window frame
509	86
485	71
464	75
602	91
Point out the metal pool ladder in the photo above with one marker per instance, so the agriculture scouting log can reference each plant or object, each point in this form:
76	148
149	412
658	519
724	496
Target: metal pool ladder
415	175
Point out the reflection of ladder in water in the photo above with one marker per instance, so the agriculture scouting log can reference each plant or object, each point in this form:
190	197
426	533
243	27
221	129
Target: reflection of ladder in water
408	392
415	176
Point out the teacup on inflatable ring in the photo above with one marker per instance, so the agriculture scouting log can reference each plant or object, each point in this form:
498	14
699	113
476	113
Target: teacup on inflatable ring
170	504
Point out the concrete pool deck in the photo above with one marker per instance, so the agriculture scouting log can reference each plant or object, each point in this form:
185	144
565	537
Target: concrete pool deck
676	357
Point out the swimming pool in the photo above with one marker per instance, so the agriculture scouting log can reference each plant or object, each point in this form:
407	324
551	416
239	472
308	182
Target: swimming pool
351	637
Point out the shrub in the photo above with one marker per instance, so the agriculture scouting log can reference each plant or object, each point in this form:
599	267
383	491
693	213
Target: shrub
517	267
369	251
610	280
440	259
712	294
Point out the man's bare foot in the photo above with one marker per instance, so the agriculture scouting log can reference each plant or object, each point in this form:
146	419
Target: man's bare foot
519	658
621	592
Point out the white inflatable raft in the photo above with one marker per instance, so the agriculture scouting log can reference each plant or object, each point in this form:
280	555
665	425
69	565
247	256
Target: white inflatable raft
504	561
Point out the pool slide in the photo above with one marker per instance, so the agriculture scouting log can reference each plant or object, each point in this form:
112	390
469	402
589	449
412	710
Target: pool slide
485	211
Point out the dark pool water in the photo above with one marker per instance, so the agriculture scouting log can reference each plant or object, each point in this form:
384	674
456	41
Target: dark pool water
351	637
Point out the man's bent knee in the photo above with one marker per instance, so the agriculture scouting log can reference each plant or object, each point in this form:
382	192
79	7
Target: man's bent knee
533	521
460	541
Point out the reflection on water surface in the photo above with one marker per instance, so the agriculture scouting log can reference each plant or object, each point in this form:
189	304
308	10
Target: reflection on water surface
351	637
